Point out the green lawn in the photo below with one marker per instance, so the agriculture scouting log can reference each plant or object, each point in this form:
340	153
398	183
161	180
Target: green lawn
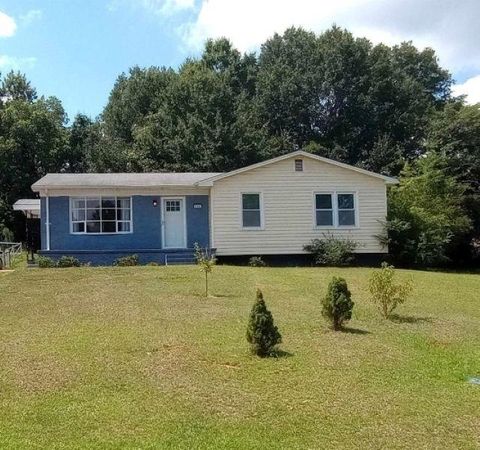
137	358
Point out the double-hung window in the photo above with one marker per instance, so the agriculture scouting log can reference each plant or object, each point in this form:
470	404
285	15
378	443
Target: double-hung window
335	209
346	210
324	210
251	210
100	215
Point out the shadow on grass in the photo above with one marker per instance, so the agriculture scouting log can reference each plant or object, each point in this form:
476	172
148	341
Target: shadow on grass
397	318
223	296
354	331
280	354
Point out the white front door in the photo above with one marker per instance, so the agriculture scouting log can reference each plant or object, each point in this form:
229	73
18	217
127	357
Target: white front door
173	211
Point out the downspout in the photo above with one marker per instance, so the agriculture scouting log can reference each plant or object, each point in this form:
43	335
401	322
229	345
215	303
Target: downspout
47	220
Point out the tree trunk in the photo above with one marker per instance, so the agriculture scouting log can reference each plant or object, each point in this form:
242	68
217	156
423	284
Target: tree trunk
206	284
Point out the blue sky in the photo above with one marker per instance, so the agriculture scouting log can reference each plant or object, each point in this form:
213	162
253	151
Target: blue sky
75	49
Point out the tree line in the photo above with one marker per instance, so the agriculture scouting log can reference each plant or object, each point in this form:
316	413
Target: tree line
384	108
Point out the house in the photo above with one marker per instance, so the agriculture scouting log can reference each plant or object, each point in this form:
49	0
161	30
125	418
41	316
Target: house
274	207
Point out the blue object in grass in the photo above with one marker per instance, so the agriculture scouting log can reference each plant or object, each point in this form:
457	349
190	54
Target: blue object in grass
474	380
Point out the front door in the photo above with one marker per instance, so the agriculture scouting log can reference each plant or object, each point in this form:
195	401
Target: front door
173	223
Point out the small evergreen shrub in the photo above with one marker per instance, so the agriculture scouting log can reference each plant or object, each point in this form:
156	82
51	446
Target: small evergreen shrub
125	261
262	334
387	294
331	250
68	261
337	305
256	261
44	262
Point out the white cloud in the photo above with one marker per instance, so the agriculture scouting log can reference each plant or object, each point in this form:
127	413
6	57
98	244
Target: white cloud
16	63
31	16
471	88
7	25
157	7
447	26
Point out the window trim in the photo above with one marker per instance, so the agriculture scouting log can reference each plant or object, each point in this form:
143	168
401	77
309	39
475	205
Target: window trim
262	218
332	195
85	233
335	208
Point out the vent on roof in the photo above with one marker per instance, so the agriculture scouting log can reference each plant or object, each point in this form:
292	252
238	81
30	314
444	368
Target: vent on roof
299	165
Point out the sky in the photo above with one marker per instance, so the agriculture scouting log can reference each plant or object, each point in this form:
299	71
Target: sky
75	49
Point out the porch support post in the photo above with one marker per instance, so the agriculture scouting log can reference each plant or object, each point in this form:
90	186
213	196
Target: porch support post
47	221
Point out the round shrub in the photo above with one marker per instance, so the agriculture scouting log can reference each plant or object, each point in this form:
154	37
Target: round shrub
44	262
125	261
68	261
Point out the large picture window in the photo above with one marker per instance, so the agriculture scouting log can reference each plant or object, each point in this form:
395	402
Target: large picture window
335	209
251	210
101	215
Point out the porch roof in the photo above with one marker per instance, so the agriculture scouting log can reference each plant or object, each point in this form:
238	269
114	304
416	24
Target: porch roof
29	206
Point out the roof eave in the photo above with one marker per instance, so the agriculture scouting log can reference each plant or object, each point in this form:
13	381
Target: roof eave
37	188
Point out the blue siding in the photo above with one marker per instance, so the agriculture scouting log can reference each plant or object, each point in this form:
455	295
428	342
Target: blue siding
145	240
198	229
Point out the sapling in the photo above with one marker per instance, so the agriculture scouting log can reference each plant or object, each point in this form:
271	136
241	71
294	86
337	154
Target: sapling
387	294
206	261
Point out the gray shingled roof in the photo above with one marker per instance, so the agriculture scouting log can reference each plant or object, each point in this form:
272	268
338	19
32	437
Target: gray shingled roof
67	180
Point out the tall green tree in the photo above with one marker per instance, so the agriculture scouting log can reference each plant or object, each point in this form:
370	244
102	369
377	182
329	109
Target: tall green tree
33	141
426	218
367	105
454	134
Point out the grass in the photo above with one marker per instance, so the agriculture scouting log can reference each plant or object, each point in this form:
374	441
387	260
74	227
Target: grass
137	358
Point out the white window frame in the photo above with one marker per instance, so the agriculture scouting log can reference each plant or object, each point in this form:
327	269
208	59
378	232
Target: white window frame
355	209
262	219
332	195
85	198
335	209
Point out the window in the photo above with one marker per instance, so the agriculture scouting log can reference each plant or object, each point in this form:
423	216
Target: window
335	209
299	165
172	205
324	210
251	211
101	215
346	210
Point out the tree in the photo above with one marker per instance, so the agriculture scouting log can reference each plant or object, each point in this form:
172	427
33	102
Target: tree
454	133
15	86
205	261
368	105
337	305
262	334
80	142
33	141
425	215
387	294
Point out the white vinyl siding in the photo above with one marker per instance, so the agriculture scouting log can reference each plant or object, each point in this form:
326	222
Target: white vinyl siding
289	209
